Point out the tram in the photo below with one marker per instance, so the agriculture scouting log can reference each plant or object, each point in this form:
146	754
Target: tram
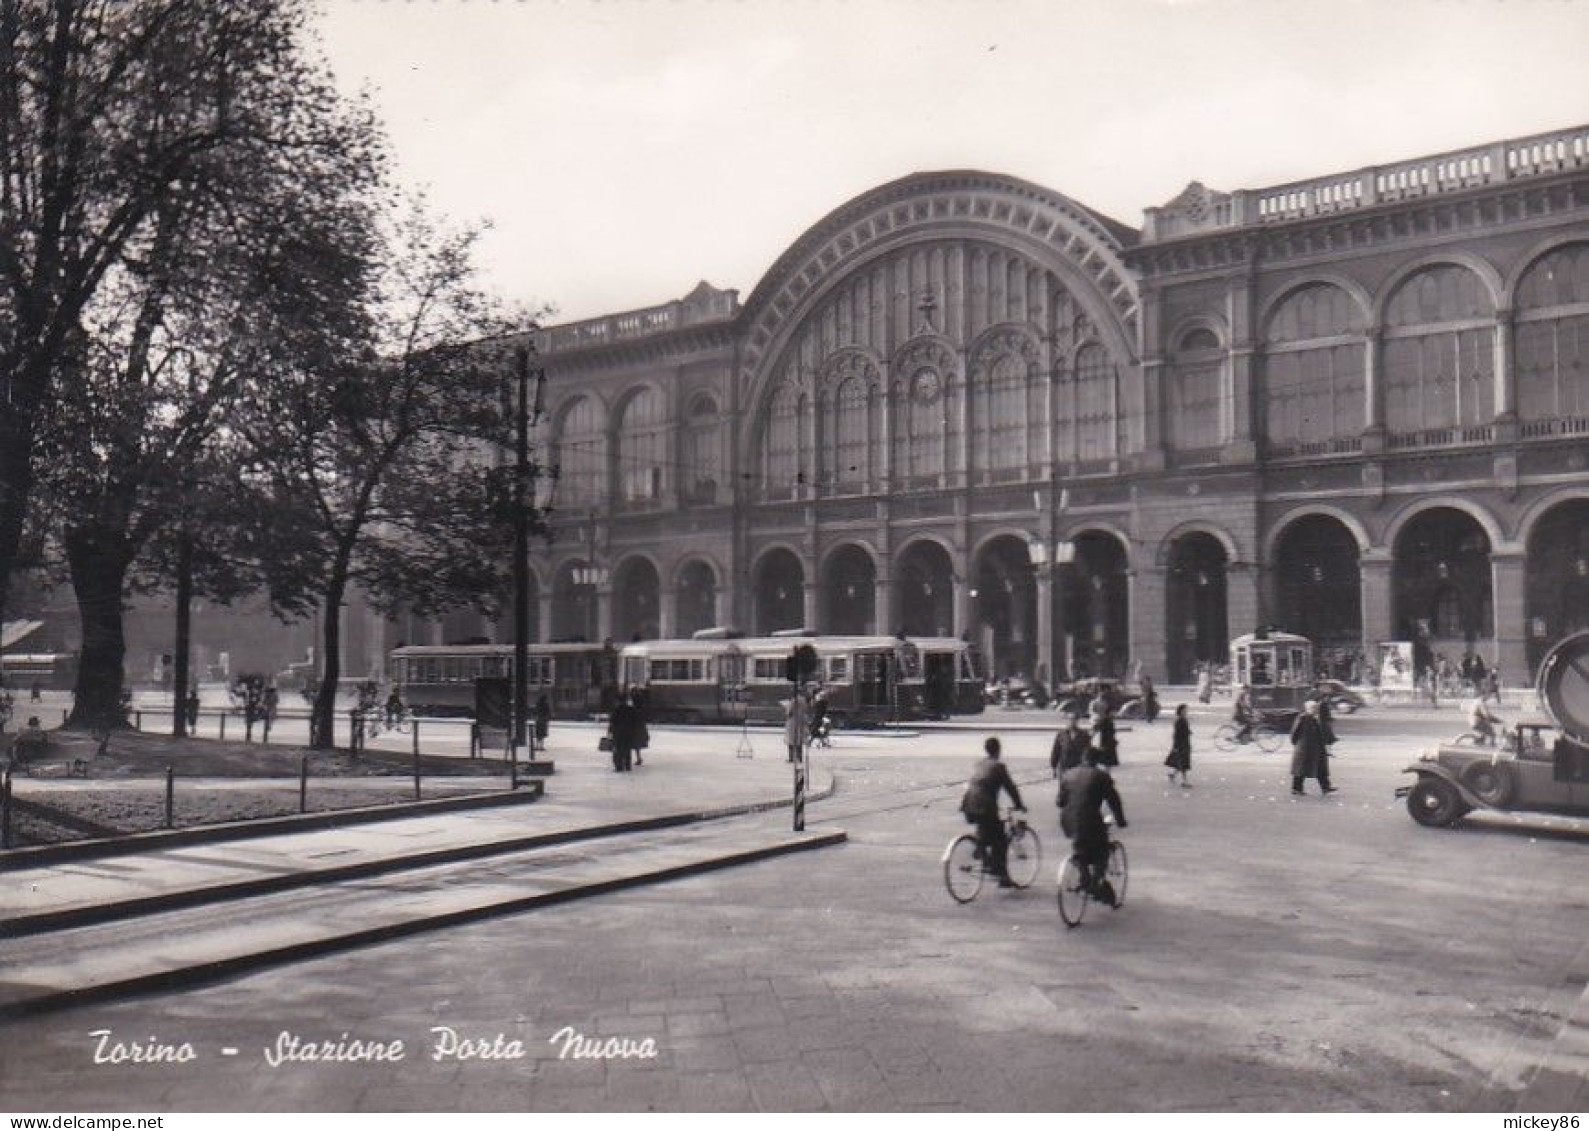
866	679
440	679
1277	668
716	676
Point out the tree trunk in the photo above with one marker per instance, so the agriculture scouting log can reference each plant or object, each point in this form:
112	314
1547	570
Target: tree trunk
179	691
99	573
323	726
16	477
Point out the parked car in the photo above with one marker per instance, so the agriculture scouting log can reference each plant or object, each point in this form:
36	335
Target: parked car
1076	698
1534	766
1341	698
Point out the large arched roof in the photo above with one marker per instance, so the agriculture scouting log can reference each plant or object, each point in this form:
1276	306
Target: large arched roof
1081	246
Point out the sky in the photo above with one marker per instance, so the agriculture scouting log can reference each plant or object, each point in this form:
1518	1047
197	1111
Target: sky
623	150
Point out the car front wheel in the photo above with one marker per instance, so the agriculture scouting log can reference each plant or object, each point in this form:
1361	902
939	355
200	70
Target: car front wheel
1435	803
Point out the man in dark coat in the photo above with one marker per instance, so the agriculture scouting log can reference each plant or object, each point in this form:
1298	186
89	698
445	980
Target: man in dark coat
1083	792
621	727
1070	747
981	807
1103	739
543	719
1180	759
1310	749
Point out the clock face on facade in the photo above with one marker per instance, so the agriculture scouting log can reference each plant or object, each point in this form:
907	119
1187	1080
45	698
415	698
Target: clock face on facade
925	385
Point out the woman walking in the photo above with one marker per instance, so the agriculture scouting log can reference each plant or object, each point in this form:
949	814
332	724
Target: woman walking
1180	759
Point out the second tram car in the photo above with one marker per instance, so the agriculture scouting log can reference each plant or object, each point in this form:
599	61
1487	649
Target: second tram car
866	679
436	679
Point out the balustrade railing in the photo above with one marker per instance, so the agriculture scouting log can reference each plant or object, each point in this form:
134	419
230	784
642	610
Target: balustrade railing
1515	159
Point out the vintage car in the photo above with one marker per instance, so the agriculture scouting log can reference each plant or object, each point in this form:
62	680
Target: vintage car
1539	767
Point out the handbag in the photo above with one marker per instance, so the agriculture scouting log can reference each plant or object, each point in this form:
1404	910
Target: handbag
605	744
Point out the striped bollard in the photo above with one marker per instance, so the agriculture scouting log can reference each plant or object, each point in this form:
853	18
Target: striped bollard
800	793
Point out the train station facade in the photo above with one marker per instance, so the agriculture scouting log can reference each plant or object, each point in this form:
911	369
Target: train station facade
1355	407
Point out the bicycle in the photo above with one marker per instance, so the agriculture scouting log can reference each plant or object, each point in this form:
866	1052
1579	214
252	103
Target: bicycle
964	867
1075	892
1228	736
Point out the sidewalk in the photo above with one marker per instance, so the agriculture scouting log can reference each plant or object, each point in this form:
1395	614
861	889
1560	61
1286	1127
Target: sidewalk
584	798
100	926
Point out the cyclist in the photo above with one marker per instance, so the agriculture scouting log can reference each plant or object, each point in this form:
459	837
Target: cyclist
1483	722
1242	715
1083	792
980	805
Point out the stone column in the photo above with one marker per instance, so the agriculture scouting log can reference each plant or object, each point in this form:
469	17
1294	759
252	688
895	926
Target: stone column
1505	379
962	604
603	612
882	614
1373	393
1375	567
667	611
1509	597
1241	599
1045	623
544	625
809	612
1145	589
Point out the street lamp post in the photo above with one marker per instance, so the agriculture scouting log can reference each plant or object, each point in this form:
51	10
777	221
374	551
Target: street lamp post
527	414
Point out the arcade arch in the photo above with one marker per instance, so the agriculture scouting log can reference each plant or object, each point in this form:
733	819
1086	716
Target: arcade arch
778	592
636	600
848	592
924	584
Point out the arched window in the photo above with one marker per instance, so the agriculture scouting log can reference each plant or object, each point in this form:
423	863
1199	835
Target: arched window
581	455
642	447
1197	382
1313	369
1439	357
849	464
1552	339
701	451
921	407
1096	404
781	468
1002	442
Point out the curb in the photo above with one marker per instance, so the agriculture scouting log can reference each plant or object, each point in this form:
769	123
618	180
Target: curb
11	858
41	922
213	971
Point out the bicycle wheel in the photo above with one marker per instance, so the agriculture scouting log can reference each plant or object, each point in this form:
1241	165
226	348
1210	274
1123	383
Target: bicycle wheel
1072	892
962	870
1268	738
1118	872
1225	737
1025	858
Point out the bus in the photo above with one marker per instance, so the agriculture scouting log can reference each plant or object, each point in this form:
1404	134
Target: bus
441	679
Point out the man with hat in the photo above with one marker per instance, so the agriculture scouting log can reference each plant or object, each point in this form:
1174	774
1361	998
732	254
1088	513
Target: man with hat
1310	749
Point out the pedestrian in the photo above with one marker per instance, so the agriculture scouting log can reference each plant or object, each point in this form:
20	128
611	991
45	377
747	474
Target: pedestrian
34	694
30	745
620	729
272	698
1205	683
543	720
796	725
1103	739
1310	750
1070	747
637	722
1150	699
193	709
1180	759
